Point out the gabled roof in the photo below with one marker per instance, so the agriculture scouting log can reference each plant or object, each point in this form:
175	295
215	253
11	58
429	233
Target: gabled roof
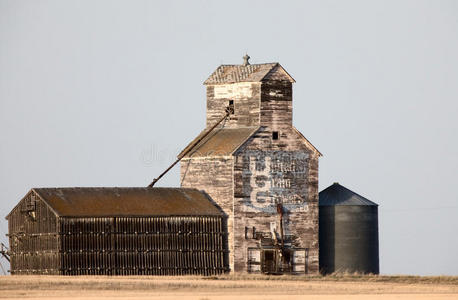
307	142
127	201
339	195
245	73
223	142
220	142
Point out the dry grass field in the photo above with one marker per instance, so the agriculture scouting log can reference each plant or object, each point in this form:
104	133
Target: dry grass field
229	287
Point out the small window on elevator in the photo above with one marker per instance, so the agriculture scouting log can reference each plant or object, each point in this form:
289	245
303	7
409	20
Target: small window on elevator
231	107
275	135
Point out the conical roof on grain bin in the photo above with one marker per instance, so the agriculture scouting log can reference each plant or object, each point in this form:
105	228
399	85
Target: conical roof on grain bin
337	194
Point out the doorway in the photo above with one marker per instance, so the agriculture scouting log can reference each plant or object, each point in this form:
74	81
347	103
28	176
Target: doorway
269	261
276	261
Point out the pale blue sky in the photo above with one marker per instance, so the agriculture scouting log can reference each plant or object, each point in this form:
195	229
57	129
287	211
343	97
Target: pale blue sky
105	93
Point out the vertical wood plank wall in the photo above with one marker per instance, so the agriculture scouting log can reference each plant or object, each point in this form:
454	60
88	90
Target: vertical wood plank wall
214	176
33	238
168	245
42	243
246	97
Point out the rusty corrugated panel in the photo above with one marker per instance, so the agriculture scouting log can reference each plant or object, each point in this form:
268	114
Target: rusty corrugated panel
240	73
220	142
129	201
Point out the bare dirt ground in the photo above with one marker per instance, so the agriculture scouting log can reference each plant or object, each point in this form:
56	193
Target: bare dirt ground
229	287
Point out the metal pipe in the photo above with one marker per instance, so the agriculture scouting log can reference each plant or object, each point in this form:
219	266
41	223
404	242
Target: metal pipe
229	110
280	212
4	252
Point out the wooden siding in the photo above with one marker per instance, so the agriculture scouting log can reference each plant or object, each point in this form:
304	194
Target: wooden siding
144	246
214	176
276	104
246	97
33	237
267	103
268	172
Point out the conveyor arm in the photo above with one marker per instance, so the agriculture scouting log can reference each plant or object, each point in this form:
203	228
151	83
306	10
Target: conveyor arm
229	111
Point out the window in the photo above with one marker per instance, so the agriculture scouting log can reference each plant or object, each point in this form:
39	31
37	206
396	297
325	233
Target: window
275	135
231	106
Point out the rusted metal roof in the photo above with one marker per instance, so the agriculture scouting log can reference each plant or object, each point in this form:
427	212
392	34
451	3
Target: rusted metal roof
340	195
127	201
242	73
220	142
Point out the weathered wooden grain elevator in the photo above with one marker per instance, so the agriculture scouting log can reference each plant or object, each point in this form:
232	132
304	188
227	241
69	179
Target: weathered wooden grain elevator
259	169
248	202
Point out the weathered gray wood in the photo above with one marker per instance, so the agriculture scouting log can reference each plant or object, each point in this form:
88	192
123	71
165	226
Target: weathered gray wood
263	172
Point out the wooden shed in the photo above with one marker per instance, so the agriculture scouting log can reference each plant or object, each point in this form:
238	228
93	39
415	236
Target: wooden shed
117	231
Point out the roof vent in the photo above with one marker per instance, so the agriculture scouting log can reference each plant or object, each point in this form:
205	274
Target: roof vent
246	59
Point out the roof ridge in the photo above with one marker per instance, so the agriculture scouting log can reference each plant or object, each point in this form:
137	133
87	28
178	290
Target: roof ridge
307	142
218	143
337	194
356	194
136	201
107	187
235	65
230	73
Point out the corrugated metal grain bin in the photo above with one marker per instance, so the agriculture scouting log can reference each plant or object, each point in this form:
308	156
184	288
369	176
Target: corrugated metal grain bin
117	231
348	232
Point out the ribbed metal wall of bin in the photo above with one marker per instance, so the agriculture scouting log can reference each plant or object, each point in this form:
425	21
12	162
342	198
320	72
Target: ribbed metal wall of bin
348	232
